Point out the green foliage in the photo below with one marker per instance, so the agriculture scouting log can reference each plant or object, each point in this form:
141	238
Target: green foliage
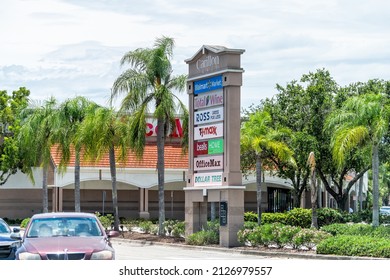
11	154
269	218
358	229
146	226
250	225
327	216
250	236
355	245
299	217
203	237
106	220
209	235
309	238
280	235
24	222
178	229
250	217
174	228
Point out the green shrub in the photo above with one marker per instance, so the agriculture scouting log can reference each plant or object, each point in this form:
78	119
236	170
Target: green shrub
169	225
106	220
309	238
357	229
250	237
250	217
327	216
146	226
250	225
24	222
299	217
203	237
270	218
212	226
178	229
286	234
353	245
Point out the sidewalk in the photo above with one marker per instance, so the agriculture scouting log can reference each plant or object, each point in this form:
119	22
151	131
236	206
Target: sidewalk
249	251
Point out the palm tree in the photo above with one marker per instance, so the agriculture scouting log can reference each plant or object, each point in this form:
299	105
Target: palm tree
258	137
362	121
36	138
311	162
149	84
102	131
70	116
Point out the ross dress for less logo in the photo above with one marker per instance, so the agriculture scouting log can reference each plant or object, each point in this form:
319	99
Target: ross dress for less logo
208	116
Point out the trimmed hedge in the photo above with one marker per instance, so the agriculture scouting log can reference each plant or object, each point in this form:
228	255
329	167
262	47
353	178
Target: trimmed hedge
354	245
357	229
280	235
297	217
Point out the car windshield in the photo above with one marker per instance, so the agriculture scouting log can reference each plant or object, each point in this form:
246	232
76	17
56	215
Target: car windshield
4	228
64	226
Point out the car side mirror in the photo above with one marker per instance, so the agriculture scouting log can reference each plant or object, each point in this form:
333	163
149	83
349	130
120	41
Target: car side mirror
16	236
113	233
16	230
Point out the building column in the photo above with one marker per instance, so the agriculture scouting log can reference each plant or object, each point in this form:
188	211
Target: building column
144	204
57	199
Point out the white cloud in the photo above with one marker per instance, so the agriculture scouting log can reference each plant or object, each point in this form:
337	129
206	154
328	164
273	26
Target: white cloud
74	46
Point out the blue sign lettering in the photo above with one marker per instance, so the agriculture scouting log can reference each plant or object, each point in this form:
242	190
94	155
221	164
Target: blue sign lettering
208	84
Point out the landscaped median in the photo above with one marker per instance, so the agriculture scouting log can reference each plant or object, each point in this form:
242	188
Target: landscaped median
291	230
340	234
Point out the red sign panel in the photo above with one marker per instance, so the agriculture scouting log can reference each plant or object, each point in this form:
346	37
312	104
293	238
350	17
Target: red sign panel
200	148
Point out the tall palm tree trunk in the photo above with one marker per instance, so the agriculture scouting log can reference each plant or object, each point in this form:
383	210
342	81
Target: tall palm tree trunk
375	186
77	203
258	185
361	194
114	189
160	171
45	196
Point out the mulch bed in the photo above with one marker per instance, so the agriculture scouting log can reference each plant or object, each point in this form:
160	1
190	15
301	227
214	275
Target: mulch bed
170	240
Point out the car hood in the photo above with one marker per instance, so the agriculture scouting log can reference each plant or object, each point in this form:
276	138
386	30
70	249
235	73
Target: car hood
70	244
6	239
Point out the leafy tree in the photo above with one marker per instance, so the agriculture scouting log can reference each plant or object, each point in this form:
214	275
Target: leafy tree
149	84
265	143
362	121
36	138
302	107
101	132
11	159
385	183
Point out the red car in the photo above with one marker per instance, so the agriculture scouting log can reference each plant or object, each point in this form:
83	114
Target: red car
66	236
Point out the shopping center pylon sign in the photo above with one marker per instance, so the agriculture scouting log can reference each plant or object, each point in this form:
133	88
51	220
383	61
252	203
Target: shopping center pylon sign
214	176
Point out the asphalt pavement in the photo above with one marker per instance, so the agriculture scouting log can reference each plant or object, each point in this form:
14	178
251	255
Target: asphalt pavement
126	249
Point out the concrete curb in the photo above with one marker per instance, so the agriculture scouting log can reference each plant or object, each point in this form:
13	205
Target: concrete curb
245	252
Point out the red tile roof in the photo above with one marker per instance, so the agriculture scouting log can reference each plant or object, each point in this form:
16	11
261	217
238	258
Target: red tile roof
174	158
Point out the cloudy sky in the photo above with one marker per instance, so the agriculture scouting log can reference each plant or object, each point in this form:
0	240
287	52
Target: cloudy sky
66	48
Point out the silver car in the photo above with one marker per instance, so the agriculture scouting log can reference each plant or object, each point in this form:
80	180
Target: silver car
384	210
9	241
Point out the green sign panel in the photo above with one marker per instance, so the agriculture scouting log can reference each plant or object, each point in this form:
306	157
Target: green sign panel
215	146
